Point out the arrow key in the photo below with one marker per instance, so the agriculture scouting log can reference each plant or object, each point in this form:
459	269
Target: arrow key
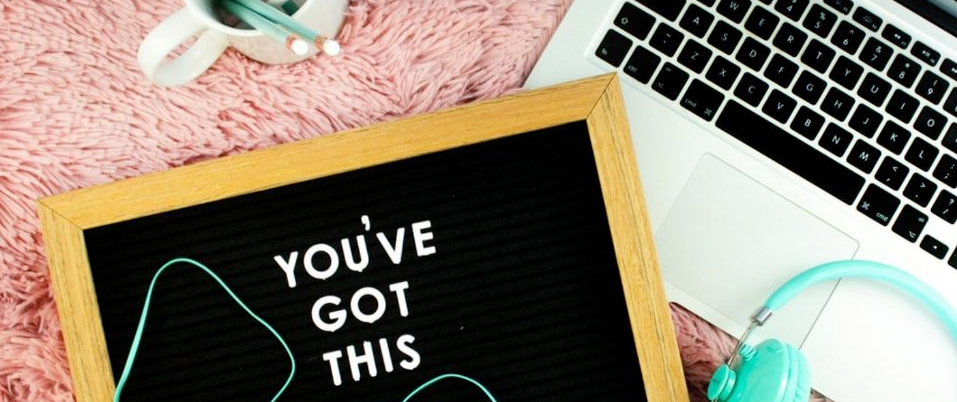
934	247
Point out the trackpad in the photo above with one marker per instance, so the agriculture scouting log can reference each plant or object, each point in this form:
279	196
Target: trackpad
728	242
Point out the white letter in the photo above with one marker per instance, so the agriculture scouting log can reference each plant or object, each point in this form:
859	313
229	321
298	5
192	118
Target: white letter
379	309
333	359
288	267
395	253
333	261
421	237
367	358
363	262
403	345
338	316
386	355
399	290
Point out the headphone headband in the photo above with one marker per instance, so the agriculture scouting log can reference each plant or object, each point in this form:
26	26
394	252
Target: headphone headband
860	269
777	372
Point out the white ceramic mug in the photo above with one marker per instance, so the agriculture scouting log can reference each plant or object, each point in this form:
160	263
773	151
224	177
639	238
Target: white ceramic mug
199	19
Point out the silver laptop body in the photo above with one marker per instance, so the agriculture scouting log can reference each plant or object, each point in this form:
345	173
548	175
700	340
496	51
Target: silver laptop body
776	135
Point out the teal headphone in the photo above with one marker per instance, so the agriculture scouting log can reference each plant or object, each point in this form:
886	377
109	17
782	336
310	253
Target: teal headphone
774	371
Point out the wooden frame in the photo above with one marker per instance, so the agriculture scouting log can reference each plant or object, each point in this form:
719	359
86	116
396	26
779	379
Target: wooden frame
597	101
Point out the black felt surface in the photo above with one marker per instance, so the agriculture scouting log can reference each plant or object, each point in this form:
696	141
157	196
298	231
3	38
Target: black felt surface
522	293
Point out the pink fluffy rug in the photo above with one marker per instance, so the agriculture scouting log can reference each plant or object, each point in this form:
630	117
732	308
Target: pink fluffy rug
75	111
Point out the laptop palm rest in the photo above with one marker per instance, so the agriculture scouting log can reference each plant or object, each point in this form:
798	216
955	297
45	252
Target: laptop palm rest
728	242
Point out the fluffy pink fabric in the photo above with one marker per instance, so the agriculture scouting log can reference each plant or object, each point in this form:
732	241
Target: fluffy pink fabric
75	111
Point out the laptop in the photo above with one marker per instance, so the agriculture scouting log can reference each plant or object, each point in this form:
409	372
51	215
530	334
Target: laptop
775	135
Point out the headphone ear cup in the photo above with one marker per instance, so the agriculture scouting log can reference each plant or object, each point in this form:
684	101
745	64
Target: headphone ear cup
771	372
801	376
793	373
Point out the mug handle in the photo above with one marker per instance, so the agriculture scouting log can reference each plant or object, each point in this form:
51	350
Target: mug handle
169	35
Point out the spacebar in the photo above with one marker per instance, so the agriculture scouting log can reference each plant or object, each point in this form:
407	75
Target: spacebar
790	152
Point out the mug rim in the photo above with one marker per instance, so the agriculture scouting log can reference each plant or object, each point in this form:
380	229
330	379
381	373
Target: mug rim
198	11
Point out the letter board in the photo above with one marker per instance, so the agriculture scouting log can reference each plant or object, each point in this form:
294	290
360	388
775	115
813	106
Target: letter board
505	241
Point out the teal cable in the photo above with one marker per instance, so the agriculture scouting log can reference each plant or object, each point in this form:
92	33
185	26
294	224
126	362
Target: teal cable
134	348
444	376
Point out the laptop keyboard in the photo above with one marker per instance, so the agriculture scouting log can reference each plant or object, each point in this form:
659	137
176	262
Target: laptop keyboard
826	89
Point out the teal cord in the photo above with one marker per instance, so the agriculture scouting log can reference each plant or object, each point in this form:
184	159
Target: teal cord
444	376
134	348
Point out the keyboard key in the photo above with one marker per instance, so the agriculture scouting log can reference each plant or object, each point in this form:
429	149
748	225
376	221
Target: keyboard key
950	139
876	54
836	139
613	48
953	260
634	21
946	207
902	106
837	104
893	137
723	72
842	6
932	87
924	53
878	204
708	3
762	23
724	37
949	68
818	56
781	70
864	156
930	122
848	37
791	152
790	39
694	56
946	171
846	72
922	154
807	123
666	39
951	104
665	8
910	224
867	19
892	173
779	106
753	54
820	20
734	9
670	81
865	120
809	87
874	89
920	190
792	9
904	70
702	100
642	64
934	247
899	38
751	89
696	20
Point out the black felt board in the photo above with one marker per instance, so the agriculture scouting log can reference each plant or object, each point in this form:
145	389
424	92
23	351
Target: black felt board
522	293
